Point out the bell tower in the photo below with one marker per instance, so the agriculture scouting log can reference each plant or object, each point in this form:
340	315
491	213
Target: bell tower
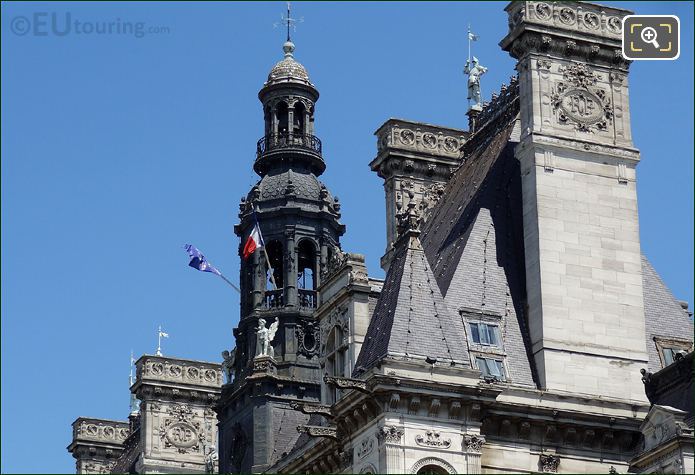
299	221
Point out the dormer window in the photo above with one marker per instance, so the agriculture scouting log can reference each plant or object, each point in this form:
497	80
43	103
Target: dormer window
491	368
668	348
485	334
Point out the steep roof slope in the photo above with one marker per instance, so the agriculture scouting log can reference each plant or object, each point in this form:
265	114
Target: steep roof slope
664	315
411	319
473	238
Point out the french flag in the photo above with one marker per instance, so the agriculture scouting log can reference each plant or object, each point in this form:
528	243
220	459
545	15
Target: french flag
254	241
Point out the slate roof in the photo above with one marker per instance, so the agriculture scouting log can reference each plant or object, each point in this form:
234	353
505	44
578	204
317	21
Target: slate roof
411	318
664	315
474	241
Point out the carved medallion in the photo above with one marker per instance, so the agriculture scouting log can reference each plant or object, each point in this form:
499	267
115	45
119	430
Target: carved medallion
308	336
181	435
578	102
210	375
407	137
592	20
543	11
365	448
175	371
451	144
567	16
432	439
615	24
429	140
180	430
192	373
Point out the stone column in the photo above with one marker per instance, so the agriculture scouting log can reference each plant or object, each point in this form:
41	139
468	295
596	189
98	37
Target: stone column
317	268
290	269
258	284
290	121
274	118
472	449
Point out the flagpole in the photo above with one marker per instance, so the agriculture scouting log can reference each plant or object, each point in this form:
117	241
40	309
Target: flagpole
469	43
159	341
265	253
270	268
230	283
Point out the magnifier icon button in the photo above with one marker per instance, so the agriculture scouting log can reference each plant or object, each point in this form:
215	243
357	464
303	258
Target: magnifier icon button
649	35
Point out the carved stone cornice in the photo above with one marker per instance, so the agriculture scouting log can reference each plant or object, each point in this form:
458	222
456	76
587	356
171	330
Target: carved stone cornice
100	430
419	138
617	152
330	432
346	383
572	30
160	369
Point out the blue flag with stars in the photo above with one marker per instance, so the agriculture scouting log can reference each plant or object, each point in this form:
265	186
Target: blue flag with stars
198	260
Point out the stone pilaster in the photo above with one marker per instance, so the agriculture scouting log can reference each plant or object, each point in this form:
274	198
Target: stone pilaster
391	453
473	449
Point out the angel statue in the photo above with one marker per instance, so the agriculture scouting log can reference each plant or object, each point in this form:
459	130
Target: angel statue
228	364
264	336
474	70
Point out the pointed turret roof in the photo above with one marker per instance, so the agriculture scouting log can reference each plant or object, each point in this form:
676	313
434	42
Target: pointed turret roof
411	319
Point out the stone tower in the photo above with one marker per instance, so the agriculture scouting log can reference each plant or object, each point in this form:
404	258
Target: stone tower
299	221
581	235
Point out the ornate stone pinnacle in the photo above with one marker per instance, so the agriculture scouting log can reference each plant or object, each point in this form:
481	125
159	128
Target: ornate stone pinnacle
409	220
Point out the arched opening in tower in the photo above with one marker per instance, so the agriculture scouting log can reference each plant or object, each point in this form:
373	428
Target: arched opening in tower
299	117
306	270
268	118
274	250
283	118
335	360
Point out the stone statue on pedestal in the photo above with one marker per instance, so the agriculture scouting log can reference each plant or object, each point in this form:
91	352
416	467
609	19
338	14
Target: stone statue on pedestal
474	70
264	336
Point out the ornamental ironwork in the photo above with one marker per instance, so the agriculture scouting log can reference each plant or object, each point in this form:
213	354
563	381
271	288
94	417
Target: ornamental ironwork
272	142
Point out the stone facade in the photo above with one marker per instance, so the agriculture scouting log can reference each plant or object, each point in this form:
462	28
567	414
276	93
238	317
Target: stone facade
519	329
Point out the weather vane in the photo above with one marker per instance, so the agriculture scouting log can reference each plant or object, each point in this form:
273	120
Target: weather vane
289	21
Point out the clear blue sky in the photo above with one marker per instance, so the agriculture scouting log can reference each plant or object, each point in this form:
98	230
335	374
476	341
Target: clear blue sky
117	150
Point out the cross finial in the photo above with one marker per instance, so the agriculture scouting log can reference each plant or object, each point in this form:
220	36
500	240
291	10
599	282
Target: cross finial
289	21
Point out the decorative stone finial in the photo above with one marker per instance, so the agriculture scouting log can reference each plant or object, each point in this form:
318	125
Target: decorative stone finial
409	220
288	48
